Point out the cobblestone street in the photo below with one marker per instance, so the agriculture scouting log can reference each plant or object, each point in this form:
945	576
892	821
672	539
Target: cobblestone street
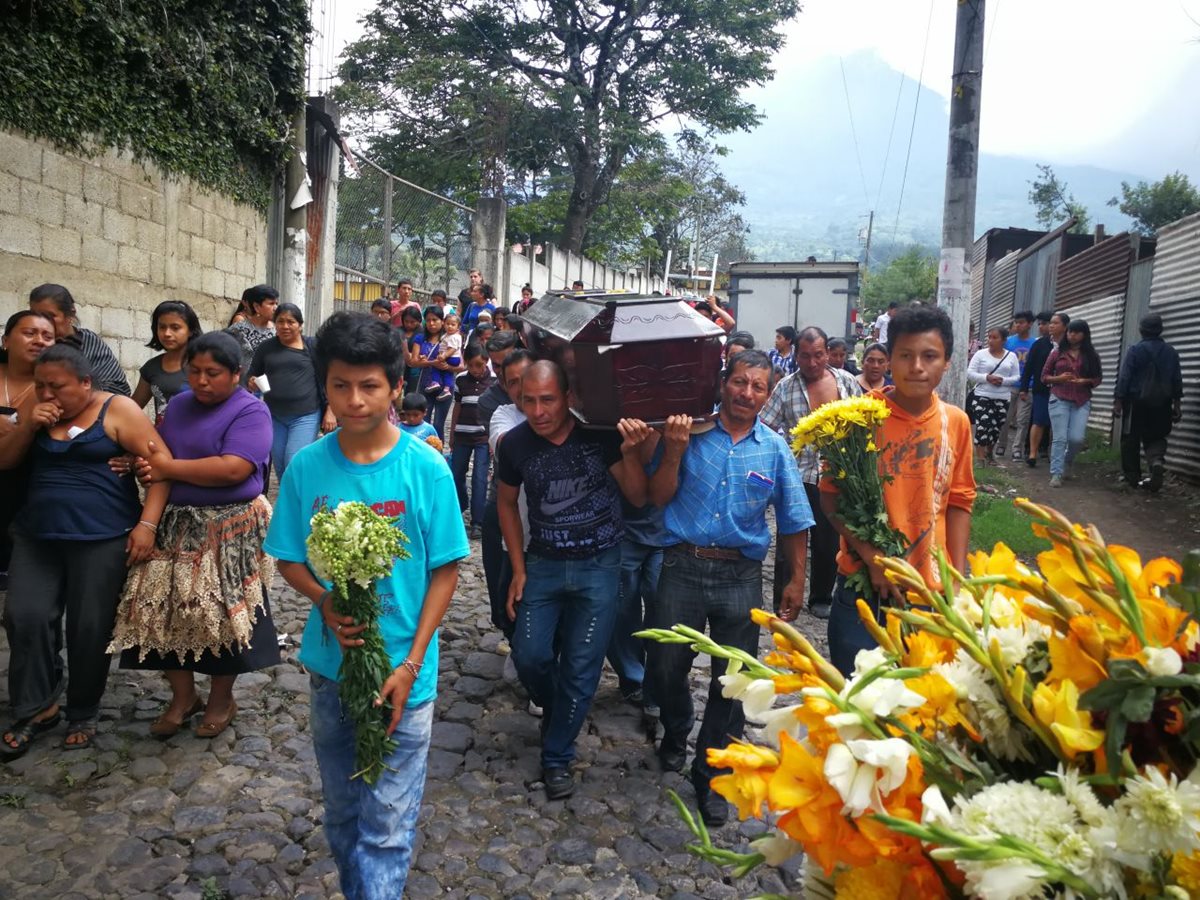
239	816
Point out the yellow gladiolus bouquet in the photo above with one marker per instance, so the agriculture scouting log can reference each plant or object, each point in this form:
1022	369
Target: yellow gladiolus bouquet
845	433
1017	734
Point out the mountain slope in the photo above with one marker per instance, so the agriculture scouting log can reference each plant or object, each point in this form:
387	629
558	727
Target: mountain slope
800	171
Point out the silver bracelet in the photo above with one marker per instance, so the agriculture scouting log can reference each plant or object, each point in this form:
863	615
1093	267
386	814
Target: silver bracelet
149	525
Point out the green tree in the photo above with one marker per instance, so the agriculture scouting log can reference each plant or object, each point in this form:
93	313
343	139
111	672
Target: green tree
1153	205
471	90
1053	203
910	276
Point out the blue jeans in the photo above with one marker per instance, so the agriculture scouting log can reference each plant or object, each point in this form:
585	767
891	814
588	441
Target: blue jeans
640	567
847	633
694	592
438	412
461	456
290	436
370	827
564	623
1068	423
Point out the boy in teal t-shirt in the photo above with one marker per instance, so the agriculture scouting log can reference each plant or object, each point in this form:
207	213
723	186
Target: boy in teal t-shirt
371	827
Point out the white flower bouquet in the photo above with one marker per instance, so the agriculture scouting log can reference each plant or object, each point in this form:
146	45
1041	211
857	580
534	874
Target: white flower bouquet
352	547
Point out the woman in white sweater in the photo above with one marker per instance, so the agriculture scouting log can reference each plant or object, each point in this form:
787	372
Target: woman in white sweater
993	372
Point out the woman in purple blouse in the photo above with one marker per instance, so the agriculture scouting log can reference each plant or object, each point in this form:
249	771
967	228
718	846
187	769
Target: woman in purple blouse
199	603
1072	371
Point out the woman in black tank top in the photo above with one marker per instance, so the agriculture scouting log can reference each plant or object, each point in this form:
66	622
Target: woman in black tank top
80	527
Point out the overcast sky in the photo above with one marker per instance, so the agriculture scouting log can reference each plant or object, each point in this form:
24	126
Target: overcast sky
1107	82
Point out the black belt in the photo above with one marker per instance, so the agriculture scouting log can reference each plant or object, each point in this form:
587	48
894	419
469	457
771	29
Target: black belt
709	552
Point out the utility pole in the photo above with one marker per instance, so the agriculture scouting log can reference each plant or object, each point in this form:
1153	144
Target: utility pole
962	175
867	252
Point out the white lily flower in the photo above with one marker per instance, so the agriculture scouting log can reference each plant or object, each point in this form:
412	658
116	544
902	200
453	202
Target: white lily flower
782	720
888	757
1005	880
756	694
1162	661
866	660
864	772
883	696
934	809
849	725
776	848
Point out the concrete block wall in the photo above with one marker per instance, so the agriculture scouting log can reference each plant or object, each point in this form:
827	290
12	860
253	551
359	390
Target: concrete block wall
561	268
122	236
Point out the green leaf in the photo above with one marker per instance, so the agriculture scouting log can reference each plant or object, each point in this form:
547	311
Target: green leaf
1138	704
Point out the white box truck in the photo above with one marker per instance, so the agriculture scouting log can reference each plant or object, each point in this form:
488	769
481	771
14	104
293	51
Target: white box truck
765	295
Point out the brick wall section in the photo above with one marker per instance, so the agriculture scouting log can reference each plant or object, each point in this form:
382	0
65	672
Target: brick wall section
122	236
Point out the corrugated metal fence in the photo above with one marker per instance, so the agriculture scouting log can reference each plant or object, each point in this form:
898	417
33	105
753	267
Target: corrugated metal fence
1001	288
1175	295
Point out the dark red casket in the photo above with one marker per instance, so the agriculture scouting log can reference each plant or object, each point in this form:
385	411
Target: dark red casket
629	355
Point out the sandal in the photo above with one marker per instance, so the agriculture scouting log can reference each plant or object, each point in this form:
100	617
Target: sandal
212	729
22	733
84	728
162	727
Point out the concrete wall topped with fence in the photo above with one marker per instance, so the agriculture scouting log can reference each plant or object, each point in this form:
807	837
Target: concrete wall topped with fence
547	268
388	229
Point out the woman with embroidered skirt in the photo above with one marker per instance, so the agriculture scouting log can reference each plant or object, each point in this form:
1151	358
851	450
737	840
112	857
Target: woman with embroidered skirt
993	372
199	603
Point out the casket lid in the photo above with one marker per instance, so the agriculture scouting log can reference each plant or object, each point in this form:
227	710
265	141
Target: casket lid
634	318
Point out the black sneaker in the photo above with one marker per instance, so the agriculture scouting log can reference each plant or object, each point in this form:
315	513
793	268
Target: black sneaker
1156	478
670	758
1031	462
821	609
713	808
560	783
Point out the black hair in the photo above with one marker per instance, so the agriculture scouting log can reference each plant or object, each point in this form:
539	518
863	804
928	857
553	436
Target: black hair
385	304
68	357
407	281
895	304
545	366
750	359
787	332
919	319
413	401
518	355
501	340
1001	329
438	292
527	287
173	308
1091	367
836	344
220	345
1062	317
358	339
742	339
252	296
478	331
488	291
1151	325
14	320
576	282
813	333
55	293
1026	314
410	312
876	346
473	350
294	311
1043	316
501	311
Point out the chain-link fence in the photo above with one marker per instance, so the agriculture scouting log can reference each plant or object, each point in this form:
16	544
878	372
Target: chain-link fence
388	229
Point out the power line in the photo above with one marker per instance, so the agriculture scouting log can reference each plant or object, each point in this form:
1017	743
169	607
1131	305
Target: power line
891	131
854	133
913	128
987	47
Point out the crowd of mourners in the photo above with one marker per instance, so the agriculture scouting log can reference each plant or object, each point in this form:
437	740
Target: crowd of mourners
150	536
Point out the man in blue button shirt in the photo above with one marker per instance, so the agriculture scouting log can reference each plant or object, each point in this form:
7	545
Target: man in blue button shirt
716	487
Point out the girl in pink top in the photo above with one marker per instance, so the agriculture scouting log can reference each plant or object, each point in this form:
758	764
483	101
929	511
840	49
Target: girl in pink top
1072	371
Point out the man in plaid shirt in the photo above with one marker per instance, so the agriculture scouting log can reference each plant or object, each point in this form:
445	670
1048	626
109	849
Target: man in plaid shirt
783	357
814	384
